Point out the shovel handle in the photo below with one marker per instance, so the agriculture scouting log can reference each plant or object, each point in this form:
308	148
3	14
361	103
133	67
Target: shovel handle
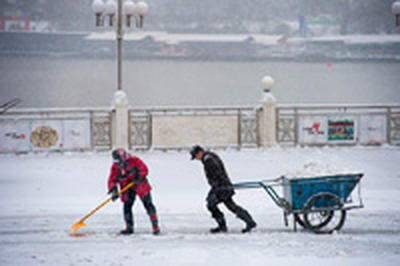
126	188
105	202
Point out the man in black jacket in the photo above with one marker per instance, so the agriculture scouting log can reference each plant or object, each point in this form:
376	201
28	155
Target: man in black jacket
221	190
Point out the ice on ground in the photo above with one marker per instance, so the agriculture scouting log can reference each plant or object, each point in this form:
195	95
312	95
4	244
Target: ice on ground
42	196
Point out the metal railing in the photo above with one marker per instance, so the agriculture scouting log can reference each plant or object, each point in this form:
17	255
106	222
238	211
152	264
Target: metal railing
141	122
294	125
289	118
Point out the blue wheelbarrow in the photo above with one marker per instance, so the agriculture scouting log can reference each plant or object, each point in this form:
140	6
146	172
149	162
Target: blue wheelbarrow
317	203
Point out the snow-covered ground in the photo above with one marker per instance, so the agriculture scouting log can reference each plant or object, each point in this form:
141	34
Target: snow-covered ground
42	196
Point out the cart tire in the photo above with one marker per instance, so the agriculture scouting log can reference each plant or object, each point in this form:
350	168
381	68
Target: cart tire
299	220
324	221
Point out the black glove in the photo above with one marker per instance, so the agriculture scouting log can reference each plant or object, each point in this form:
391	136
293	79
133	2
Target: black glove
114	193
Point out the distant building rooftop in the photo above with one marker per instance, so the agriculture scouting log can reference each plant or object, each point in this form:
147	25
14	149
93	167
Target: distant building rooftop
359	39
173	38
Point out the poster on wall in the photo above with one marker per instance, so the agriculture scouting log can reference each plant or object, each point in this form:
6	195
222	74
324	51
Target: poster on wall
342	129
14	136
27	135
312	129
76	134
373	129
46	134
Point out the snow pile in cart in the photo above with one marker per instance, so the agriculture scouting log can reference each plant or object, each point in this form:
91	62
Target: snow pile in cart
318	168
41	196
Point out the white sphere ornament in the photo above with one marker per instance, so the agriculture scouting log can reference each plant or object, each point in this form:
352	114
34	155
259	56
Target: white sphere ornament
396	8
98	6
120	97
267	83
142	8
111	7
129	7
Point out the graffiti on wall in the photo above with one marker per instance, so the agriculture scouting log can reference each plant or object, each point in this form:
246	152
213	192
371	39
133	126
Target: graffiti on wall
14	135
312	129
44	137
341	129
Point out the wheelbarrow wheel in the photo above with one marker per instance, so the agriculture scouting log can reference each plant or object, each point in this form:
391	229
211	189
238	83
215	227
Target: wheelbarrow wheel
299	220
323	213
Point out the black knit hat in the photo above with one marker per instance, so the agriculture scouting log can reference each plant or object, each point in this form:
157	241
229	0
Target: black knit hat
195	150
119	155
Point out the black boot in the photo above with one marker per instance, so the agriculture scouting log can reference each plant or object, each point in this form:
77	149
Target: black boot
219	229
246	217
249	226
128	217
219	218
154	223
128	230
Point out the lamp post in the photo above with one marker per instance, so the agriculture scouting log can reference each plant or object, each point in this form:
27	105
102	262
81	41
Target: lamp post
129	9
110	9
396	11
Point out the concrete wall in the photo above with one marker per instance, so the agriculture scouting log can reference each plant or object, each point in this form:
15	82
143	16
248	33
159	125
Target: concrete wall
26	130
186	130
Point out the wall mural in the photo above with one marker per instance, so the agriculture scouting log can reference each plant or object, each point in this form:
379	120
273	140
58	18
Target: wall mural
44	137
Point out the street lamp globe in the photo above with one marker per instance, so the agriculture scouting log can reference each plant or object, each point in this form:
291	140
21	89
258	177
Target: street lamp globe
396	11
110	10
129	10
267	83
142	8
129	7
98	8
110	7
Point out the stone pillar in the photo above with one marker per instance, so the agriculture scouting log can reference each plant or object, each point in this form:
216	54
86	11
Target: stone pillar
267	117
120	120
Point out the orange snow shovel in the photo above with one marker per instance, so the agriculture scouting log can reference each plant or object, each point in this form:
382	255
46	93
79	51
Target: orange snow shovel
81	223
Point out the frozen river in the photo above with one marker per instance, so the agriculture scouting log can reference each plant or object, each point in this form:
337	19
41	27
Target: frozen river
75	82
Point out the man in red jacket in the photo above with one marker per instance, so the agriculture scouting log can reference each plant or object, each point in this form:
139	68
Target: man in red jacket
126	169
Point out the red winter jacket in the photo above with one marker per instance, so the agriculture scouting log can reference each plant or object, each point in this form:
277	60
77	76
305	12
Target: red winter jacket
124	177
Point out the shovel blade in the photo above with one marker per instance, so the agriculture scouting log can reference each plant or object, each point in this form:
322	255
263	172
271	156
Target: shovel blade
76	226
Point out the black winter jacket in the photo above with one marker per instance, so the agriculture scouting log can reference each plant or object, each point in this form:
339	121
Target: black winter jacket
217	176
